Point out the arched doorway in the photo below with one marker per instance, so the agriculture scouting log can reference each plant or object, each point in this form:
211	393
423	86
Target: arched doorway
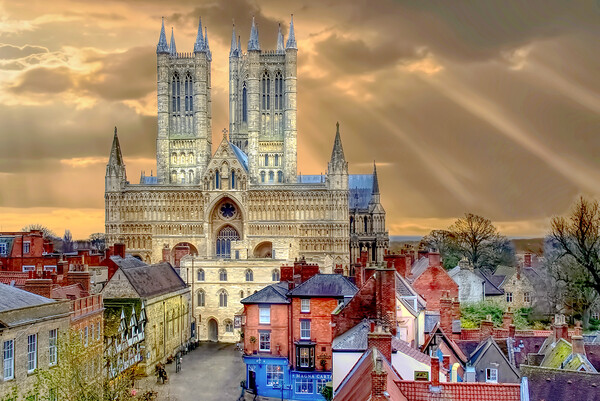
213	330
264	250
223	242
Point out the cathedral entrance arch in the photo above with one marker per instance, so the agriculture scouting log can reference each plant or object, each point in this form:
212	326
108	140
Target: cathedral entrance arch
264	250
213	330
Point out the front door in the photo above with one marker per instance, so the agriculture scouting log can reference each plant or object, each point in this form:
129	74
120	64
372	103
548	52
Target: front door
213	330
252	380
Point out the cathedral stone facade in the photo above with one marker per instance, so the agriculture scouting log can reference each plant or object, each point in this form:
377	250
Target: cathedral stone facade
244	203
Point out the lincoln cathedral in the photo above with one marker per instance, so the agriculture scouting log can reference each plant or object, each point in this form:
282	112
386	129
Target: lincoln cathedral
230	216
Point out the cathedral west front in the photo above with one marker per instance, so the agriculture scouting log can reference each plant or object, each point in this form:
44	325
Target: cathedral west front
231	215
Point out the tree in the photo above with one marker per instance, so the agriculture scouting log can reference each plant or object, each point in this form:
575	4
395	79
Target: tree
80	375
576	239
445	243
46	232
98	241
479	241
67	242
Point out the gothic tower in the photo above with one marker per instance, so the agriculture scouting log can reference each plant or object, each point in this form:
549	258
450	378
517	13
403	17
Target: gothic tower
116	177
183	145
262	106
337	168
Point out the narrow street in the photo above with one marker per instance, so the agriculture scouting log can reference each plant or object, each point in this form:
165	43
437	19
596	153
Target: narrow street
212	372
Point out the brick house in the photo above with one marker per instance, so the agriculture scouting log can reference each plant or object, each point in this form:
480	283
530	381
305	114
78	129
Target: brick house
288	333
431	280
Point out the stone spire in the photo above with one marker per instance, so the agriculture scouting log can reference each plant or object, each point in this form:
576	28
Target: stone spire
375	190
199	44
172	47
338	152
206	46
280	45
116	158
253	43
337	168
234	51
162	46
291	42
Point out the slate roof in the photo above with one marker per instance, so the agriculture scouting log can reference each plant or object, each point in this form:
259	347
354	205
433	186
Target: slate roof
14	298
310	179
592	351
491	284
152	180
419	268
483	348
241	156
271	294
325	286
403	290
547	384
127	262
557	354
360	188
153	280
521	347
431	319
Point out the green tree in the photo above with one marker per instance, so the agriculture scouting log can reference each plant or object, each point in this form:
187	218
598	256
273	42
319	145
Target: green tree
479	241
445	243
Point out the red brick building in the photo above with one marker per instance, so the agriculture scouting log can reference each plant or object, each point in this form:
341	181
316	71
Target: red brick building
431	280
288	331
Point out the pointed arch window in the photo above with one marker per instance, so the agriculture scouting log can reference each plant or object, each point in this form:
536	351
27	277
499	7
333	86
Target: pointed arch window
241	294
262	176
271	176
222	299
201	275
176	94
266	160
244	104
223	275
189	102
201	298
226	235
249	275
217	180
228	326
275	275
233	180
266	91
279	176
276	160
278	91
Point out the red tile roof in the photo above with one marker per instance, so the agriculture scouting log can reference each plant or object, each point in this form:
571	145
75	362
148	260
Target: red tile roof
424	391
7	277
73	291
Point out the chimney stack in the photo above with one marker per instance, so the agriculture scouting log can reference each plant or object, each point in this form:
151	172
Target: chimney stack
378	379
577	340
507	319
446	314
39	286
434	259
560	328
120	250
486	328
435	371
382	340
527	260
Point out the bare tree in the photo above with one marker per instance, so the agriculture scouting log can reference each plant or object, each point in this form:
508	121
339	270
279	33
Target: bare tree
479	241
67	242
577	238
98	241
46	232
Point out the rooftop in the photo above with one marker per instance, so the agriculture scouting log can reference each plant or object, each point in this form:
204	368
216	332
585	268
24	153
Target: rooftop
325	286
153	280
271	294
14	298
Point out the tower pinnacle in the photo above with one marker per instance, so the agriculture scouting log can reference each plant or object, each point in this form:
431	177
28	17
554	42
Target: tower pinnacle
375	190
280	45
116	158
199	44
337	153
172	47
253	43
291	42
206	46
234	51
162	46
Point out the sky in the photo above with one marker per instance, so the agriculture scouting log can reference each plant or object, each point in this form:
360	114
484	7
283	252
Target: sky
488	107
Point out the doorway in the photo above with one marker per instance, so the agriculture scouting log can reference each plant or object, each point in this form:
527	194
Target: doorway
213	330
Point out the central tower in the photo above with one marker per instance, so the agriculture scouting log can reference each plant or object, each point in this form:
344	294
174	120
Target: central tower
183	145
262	106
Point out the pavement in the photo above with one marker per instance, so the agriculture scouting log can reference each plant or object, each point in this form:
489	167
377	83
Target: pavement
211	372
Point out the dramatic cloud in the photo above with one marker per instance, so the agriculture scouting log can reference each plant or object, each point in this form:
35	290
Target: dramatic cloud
487	107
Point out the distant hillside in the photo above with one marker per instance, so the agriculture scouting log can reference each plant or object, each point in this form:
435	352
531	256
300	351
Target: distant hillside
522	245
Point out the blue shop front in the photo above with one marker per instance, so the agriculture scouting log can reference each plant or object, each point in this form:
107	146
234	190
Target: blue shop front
272	377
